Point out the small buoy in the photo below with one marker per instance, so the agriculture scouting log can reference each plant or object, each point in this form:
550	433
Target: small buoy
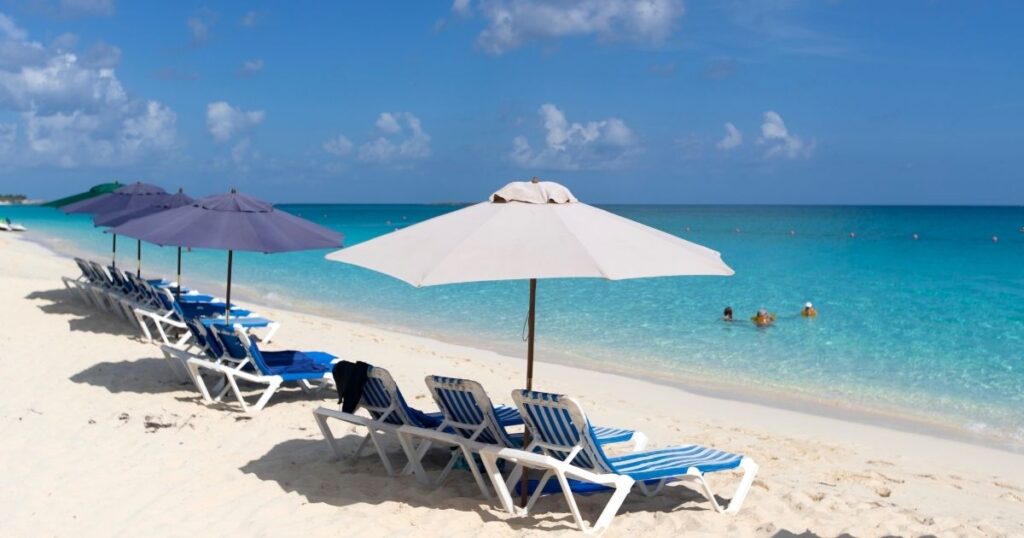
916	237
688	229
737	230
995	238
792	232
853	234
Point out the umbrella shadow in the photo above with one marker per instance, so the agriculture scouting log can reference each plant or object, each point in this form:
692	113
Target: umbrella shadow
141	376
88	318
307	467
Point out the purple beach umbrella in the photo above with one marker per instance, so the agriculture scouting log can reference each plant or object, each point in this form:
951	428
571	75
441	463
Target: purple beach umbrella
136	193
142	206
231	221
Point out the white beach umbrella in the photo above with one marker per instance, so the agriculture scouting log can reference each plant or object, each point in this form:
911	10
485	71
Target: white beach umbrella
526	231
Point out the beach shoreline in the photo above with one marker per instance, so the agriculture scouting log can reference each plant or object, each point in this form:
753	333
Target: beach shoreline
903	420
141	442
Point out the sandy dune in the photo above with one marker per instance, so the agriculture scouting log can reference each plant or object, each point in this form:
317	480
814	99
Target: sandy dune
96	438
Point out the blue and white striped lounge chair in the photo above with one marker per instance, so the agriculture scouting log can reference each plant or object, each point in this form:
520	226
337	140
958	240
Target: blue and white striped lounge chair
469	414
84	284
168	315
562	431
242	360
388	411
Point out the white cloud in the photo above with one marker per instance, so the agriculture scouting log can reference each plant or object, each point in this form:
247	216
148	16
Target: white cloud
511	23
576	146
73	110
251	19
733	138
339	146
225	121
250	67
200	24
388	123
397	144
779	142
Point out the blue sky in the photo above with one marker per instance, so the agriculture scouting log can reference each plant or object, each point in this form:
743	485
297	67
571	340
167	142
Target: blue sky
666	101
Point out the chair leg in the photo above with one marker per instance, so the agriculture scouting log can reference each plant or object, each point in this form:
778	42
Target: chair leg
415	464
612	507
749	472
265	397
639	441
197	378
321	421
468	455
374	437
271	331
695	475
498	483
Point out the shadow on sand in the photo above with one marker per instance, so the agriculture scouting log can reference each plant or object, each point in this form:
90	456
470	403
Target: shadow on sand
306	467
143	376
87	318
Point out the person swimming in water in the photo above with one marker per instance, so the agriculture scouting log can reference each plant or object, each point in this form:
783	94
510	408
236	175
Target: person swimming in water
727	314
809	311
763	318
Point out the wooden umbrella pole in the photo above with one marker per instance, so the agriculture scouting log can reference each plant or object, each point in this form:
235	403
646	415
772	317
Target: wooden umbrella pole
524	480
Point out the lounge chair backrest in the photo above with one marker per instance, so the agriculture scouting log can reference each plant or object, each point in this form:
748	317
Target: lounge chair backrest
102	275
558	426
85	269
468	410
117	277
384	401
142	289
240	346
94	277
204	337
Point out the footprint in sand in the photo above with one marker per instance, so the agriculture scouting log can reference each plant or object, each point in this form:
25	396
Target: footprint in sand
1012	497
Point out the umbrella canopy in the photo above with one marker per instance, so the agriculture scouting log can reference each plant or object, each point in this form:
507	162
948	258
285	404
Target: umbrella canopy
139	207
142	206
138	193
115	201
96	190
530	230
231	221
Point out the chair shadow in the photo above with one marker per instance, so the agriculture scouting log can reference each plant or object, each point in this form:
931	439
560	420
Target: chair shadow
88	317
306	467
141	376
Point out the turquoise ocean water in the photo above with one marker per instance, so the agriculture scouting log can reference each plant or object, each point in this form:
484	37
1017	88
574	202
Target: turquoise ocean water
930	330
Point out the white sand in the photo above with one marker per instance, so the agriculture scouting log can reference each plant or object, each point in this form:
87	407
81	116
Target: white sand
97	439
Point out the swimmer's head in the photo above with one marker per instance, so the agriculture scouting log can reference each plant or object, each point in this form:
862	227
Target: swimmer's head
808	305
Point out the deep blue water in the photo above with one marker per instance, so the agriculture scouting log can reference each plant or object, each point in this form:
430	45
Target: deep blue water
932	328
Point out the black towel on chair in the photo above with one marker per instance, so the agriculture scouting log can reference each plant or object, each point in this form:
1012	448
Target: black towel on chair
350	378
